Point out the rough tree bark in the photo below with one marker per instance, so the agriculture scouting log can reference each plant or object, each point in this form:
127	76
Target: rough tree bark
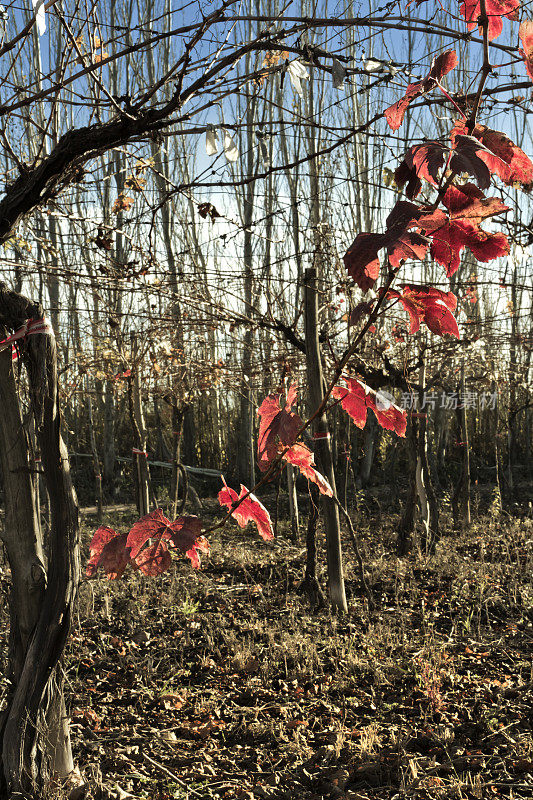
34	731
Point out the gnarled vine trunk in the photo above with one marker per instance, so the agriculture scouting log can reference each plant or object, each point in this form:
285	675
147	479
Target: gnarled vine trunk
35	743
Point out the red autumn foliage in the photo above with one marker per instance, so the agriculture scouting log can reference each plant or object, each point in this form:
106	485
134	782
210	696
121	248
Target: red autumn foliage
498	153
526	37
467	207
421	161
429	305
147	545
108	550
356	398
440	66
249	510
362	260
182	534
496	9
278	426
303	459
278	430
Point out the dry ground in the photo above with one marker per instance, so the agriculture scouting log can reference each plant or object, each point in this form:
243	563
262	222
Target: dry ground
223	683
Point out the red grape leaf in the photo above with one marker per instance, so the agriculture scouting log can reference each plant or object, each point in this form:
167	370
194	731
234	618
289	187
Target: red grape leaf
496	9
108	550
357	313
501	156
412	308
154	559
429	305
421	161
353	401
526	37
183	533
468	202
152	526
357	398
278	426
201	545
186	537
301	457
440	66
101	537
410	246
250	510
468	157
451	239
407	175
467	208
509	162
361	259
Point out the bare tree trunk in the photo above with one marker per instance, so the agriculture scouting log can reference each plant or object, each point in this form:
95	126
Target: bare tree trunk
422	475
246	453
109	438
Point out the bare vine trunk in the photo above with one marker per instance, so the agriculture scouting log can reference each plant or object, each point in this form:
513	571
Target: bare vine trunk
461	496
315	382
35	742
96	459
140	456
293	502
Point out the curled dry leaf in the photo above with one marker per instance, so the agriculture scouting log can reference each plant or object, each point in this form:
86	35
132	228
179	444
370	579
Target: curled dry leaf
122	203
208	210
